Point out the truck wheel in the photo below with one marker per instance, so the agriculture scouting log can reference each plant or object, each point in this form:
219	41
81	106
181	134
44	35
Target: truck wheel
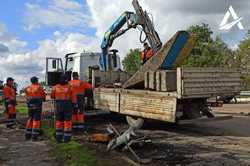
135	123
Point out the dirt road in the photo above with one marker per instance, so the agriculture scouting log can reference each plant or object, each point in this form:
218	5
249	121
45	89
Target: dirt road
15	151
221	142
192	143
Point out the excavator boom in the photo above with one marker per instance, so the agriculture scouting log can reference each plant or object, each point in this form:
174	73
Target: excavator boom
139	18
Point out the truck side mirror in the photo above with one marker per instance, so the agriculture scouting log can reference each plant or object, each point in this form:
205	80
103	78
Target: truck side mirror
54	64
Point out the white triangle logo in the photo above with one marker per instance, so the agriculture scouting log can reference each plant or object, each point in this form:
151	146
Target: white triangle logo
224	25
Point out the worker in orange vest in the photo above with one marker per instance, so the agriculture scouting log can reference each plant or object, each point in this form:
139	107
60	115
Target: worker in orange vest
78	100
9	94
35	96
146	54
62	93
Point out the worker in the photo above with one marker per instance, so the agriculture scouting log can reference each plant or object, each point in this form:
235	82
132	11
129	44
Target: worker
9	94
35	96
78	89
62	93
146	54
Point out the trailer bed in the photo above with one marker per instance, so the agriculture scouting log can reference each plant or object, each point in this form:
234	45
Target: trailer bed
138	103
188	93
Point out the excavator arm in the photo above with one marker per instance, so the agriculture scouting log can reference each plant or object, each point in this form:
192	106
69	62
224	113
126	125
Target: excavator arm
139	18
114	32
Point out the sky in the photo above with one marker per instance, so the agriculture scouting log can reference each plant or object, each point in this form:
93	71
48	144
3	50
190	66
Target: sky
31	30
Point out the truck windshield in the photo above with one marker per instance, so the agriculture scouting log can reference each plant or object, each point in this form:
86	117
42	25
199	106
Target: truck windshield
70	64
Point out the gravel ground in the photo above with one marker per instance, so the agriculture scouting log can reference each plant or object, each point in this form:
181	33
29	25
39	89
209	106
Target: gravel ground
194	143
15	151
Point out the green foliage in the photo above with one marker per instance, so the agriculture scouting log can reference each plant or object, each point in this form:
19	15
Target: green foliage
132	62
208	52
245	82
22	108
243	60
75	154
72	153
243	53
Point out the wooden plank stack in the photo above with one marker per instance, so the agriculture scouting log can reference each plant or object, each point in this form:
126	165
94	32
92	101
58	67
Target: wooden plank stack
161	80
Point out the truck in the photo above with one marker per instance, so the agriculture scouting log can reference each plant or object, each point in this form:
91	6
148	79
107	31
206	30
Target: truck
171	95
161	89
76	62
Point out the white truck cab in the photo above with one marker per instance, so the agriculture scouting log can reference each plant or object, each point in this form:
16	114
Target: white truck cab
77	62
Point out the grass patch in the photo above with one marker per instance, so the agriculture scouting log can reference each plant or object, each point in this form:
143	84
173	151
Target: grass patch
72	153
22	108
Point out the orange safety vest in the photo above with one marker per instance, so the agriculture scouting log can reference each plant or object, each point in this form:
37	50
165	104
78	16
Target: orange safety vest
146	55
87	85
61	92
35	91
9	93
77	87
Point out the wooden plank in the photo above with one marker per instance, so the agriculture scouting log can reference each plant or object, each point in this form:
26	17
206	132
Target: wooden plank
210	84
146	80
139	103
210	69
108	77
179	82
147	106
157	60
158	81
188	75
153	94
107	100
152	80
197	80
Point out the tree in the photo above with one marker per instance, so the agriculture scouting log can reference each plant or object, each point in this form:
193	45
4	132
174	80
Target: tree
243	53
242	59
208	52
131	62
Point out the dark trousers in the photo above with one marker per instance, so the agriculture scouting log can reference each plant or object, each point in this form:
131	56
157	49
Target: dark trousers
10	107
78	113
33	125
63	120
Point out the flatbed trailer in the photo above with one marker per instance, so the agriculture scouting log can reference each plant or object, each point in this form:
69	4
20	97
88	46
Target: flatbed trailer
171	95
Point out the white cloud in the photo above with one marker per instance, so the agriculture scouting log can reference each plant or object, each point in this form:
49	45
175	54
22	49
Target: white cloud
22	66
11	42
169	16
58	13
67	4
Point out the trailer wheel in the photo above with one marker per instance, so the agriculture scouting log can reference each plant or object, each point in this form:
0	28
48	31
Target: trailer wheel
135	123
